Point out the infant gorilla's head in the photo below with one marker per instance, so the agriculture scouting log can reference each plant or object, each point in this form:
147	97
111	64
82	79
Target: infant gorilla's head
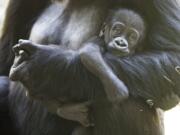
123	32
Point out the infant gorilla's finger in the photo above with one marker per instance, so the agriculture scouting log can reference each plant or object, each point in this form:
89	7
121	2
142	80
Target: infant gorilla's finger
20	52
27	46
16	49
23	41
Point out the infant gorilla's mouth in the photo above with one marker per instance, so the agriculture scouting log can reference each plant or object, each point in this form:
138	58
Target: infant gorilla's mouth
21	57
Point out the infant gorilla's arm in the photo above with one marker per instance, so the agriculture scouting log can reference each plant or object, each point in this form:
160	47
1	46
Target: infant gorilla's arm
91	57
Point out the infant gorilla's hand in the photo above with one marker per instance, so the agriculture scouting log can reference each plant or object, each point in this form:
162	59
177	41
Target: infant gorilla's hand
76	112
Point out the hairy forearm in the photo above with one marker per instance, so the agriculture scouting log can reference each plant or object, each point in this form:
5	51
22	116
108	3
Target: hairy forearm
151	76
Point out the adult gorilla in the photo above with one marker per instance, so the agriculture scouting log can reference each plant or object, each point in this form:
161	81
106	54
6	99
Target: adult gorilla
152	74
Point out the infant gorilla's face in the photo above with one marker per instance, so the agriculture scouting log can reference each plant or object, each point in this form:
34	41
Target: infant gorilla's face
121	39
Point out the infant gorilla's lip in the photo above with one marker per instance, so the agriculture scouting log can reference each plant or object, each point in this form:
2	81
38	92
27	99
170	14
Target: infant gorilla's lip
19	63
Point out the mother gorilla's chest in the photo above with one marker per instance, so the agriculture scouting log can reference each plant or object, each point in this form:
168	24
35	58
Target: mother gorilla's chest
60	24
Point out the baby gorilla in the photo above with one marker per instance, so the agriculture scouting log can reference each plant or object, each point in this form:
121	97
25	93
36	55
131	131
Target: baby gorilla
122	33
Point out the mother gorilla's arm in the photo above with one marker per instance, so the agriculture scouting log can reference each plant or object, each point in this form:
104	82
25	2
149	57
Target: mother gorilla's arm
150	75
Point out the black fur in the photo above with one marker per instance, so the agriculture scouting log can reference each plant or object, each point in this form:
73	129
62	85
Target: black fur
150	74
6	125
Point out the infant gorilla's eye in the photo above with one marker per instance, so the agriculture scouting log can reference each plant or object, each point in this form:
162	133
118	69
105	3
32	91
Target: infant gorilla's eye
133	35
117	29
